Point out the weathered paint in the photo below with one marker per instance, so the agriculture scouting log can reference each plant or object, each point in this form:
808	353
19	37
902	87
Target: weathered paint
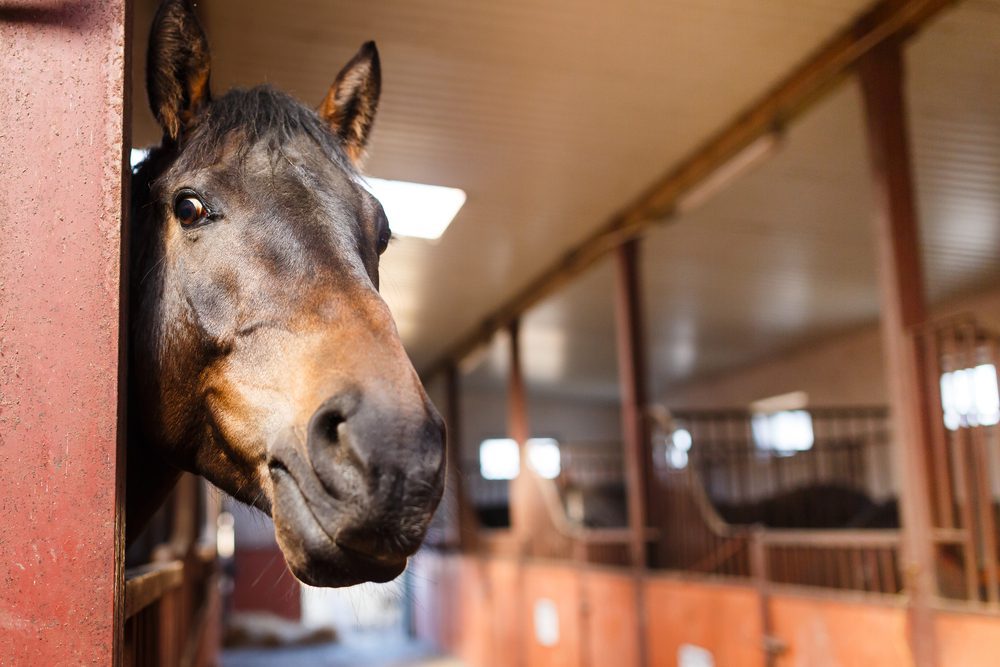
62	139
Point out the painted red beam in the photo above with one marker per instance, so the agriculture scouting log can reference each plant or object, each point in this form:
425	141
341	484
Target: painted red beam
63	95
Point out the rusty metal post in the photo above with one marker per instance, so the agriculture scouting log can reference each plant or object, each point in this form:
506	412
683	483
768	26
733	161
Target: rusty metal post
630	337
523	509
902	313
631	378
63	184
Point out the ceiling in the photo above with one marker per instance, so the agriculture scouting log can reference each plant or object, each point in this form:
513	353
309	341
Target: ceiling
553	115
785	254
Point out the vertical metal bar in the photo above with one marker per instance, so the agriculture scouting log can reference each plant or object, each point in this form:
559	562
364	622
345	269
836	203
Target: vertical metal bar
524	511
858	567
902	311
759	572
963	483
739	457
889	569
941	479
871	567
980	475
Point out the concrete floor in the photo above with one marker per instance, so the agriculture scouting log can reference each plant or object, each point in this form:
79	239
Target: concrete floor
375	652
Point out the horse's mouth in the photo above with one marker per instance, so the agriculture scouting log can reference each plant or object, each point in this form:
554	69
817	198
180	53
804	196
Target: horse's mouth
314	555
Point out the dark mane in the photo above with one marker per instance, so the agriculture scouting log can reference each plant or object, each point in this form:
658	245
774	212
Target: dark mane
256	114
259	114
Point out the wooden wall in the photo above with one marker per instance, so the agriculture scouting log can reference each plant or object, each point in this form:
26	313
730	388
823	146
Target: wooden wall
481	609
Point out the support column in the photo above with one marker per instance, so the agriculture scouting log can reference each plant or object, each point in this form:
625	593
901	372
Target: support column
630	338
902	312
632	380
64	101
522	509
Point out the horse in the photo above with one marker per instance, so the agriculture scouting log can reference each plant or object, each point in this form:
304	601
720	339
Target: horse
261	355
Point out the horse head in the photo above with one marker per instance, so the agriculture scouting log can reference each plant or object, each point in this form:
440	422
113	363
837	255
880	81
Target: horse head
261	354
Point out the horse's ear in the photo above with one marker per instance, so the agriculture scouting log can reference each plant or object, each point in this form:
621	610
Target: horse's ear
177	67
350	105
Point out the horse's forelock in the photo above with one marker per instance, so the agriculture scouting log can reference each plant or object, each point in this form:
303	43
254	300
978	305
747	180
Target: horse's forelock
243	118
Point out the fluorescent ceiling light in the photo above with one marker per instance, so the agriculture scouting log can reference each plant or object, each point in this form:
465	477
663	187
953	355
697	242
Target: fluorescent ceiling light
415	209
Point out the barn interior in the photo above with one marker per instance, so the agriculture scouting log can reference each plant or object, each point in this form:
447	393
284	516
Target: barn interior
715	333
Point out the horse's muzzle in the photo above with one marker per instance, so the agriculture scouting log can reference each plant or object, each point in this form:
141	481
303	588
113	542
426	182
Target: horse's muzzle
354	501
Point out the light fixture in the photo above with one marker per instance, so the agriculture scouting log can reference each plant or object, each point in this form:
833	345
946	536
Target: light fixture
415	209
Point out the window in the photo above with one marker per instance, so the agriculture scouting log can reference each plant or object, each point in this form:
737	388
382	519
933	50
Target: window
544	457
677	449
781	424
969	397
500	458
785	432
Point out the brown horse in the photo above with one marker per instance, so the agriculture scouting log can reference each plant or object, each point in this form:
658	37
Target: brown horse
261	354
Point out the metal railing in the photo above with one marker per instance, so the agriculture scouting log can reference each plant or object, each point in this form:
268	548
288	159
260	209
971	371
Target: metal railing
964	473
734	510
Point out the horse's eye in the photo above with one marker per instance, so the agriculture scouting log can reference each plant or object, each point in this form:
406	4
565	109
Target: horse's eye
383	240
190	210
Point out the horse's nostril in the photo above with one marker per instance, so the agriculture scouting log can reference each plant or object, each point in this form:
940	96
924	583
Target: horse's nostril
275	465
328	427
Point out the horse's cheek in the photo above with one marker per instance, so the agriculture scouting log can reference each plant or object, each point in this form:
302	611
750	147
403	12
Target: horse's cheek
212	310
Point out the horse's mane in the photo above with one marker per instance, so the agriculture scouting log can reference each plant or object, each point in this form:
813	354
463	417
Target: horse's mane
258	114
252	115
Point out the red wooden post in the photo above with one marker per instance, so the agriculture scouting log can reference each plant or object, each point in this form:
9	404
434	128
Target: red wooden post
631	377
637	457
522	508
63	139
902	312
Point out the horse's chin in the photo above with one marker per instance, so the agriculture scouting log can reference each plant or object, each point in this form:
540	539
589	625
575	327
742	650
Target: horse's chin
312	554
